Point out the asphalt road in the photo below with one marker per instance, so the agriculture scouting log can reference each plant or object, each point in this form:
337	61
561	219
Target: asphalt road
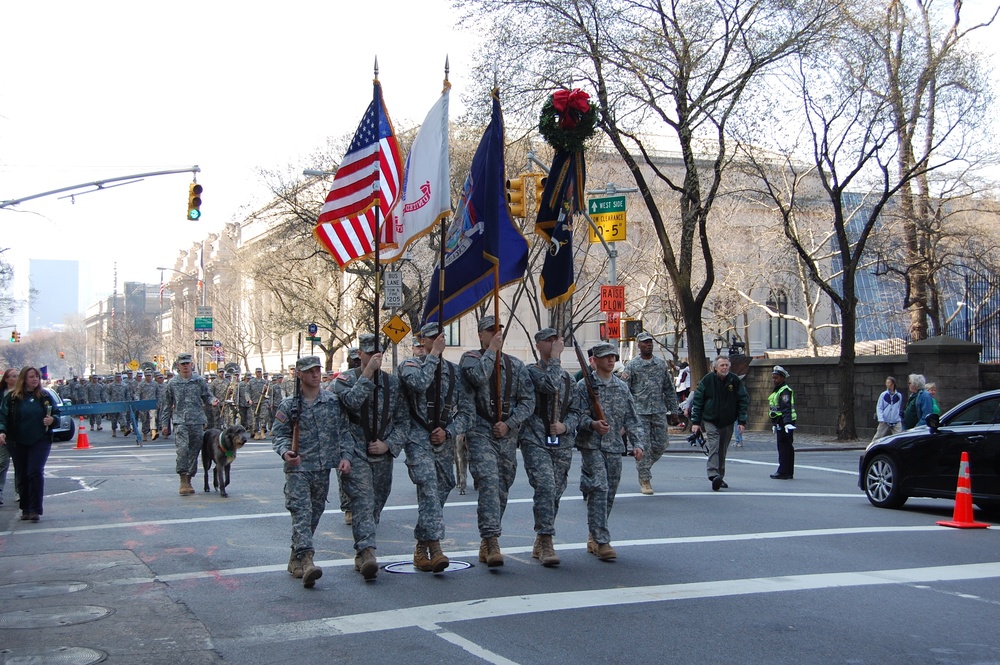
801	571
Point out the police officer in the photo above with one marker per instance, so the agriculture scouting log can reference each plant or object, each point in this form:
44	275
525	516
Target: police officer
183	408
436	419
602	446
781	411
502	406
653	389
379	425
308	458
547	440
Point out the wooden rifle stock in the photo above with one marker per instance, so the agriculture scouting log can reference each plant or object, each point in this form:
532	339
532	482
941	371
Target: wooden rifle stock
298	401
595	403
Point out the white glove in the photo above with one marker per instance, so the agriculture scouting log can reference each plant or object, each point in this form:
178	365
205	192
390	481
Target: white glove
775	428
789	428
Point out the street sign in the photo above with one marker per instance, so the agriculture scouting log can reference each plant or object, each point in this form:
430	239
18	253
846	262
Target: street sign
606	205
312	329
204	342
612	298
393	295
133	365
396	329
219	355
314	339
203	324
613	325
608	214
217	344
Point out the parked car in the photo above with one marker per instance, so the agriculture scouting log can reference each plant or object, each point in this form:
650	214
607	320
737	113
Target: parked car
925	460
65	428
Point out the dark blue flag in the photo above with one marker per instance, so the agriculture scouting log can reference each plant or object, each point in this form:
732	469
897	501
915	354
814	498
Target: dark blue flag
481	235
562	197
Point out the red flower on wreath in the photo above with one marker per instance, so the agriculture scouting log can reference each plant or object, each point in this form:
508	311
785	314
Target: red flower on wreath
570	105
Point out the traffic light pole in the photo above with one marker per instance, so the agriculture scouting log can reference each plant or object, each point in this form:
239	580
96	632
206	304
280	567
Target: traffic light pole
100	184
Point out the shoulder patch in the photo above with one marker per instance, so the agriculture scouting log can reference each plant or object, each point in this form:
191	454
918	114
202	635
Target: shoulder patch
343	377
412	362
280	416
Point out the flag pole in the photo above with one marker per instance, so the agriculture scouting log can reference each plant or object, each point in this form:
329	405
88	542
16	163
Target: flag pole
376	100
438	372
496	296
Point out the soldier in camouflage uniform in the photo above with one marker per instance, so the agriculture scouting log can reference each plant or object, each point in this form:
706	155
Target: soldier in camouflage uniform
146	391
161	388
244	403
547	440
435	421
95	395
117	392
183	409
79	392
602	446
493	440
309	454
219	387
257	386
653	390
378	430
353	365
275	395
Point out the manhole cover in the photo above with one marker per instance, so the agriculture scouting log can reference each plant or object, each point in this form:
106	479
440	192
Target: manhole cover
51	656
39	589
407	568
49	617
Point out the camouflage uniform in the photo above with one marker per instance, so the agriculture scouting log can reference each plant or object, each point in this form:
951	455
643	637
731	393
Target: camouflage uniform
161	388
219	387
547	465
95	395
184	402
432	467
79	392
147	390
274	399
118	392
602	455
321	424
493	461
244	404
652	388
370	481
257	386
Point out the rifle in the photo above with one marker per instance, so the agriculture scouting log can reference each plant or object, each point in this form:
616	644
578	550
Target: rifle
298	402
595	403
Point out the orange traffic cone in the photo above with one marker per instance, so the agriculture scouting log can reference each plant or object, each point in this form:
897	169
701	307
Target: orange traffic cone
962	518
82	440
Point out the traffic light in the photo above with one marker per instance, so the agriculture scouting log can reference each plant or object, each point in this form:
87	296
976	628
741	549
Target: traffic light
194	201
515	197
13	336
539	190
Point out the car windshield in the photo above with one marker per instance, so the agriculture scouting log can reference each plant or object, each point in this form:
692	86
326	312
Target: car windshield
982	412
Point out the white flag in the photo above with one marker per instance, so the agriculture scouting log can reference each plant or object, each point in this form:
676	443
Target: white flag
426	184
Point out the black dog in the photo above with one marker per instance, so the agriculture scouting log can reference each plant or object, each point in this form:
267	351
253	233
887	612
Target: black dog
220	446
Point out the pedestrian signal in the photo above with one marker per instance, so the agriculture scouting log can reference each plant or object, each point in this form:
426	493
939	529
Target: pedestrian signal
194	201
515	197
632	329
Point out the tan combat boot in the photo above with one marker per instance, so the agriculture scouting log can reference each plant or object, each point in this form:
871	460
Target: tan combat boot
645	487
536	549
547	553
366	564
494	557
606	553
186	488
294	566
438	561
154	435
310	571
483	550
420	559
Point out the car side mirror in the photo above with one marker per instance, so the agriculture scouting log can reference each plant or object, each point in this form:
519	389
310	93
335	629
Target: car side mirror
933	422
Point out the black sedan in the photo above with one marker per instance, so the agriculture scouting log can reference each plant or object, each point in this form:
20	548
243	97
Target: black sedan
924	461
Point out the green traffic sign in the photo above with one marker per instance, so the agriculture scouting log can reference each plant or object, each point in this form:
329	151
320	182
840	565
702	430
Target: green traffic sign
606	205
313	339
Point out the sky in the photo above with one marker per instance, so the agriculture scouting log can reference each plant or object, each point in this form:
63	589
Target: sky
104	89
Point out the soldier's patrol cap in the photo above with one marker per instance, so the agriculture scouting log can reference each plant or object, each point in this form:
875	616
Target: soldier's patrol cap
368	343
158	376
307	362
352	353
266	374
417	342
141	374
545	333
258	370
778	369
118	375
432	329
181	358
602	350
246	376
488	323
644	337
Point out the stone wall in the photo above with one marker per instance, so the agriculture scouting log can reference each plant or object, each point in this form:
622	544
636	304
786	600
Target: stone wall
952	364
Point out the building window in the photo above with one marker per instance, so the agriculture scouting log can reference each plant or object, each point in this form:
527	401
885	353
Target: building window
453	334
777	333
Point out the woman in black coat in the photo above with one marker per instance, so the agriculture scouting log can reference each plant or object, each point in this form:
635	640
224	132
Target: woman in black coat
6	385
26	417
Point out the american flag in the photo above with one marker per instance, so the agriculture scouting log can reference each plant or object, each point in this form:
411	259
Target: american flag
346	224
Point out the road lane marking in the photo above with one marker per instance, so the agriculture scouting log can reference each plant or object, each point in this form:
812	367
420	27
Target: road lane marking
564	547
430	616
469	646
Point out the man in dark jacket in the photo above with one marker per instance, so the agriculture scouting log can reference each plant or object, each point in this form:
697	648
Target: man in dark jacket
720	400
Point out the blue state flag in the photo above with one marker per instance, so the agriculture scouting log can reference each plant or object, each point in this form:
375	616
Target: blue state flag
481	235
561	199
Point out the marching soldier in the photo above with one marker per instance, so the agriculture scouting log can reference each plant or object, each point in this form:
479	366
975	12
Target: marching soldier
781	411
183	410
244	402
547	440
257	387
147	390
274	396
220	390
161	387
502	405
379	430
117	392
95	395
602	446
307	436
655	395
436	419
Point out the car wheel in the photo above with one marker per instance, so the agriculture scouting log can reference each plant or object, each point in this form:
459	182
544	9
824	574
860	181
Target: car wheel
882	482
68	434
